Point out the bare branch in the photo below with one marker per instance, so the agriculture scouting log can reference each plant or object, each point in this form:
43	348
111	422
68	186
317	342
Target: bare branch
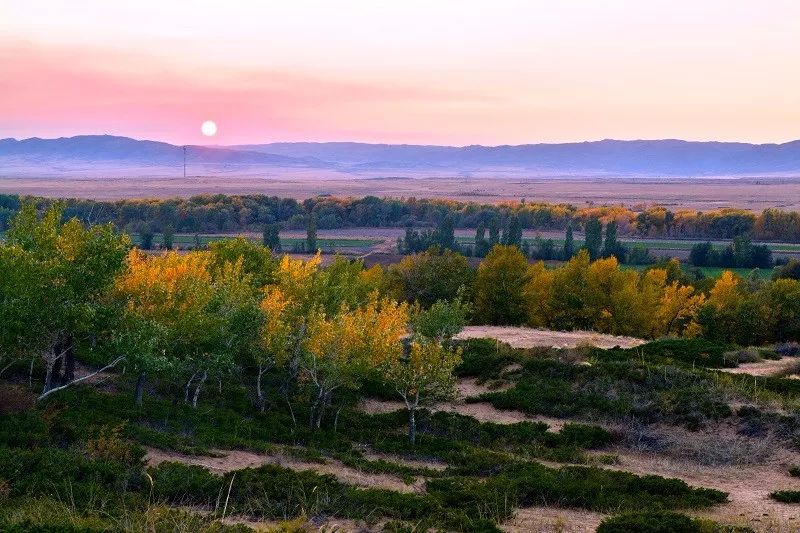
74	381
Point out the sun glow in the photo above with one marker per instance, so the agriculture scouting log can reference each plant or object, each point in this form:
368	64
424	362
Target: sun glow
209	128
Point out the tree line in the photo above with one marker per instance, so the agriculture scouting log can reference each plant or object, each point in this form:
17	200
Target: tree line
222	213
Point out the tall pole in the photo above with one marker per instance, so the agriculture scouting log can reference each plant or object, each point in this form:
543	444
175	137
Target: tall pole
184	161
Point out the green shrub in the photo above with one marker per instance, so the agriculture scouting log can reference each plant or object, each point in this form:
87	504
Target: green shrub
664	522
794	471
786	496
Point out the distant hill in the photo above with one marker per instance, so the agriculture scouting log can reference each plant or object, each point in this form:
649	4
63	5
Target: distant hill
652	158
123	155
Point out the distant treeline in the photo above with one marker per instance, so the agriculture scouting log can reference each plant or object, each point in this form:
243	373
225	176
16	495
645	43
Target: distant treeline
223	213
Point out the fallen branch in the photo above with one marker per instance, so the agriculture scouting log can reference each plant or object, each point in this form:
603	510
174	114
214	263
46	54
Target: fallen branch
74	381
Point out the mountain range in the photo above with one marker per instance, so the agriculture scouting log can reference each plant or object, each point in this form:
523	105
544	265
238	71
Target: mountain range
646	158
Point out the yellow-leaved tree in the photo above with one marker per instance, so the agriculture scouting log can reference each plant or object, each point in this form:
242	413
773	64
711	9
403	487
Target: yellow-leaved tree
165	301
341	348
677	311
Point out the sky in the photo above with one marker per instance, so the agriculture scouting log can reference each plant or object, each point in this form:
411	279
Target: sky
431	72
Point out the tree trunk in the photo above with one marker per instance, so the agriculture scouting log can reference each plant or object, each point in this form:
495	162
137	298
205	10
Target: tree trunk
197	389
412	426
69	360
187	388
139	391
259	393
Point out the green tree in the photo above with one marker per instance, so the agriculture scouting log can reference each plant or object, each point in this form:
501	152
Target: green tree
311	234
145	236
594	237
55	277
494	233
513	233
569	244
611	246
446	234
481	244
257	261
168	234
270	237
422	376
499	287
429	277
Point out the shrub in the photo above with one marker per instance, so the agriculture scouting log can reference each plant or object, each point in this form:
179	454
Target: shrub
787	349
794	471
108	445
15	399
786	496
653	522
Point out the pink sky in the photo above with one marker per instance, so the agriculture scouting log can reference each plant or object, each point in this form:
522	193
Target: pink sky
440	72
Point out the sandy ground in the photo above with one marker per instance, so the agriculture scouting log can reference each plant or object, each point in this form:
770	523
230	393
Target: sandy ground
694	193
552	520
482	411
766	367
518	337
230	460
748	487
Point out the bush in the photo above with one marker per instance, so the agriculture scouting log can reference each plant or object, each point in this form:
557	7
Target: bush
653	522
794	471
663	522
787	349
786	496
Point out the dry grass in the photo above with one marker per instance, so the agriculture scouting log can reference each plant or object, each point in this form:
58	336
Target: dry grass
152	182
552	520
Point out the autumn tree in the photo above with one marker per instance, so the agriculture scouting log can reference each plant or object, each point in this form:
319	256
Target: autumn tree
340	349
167	324
499	287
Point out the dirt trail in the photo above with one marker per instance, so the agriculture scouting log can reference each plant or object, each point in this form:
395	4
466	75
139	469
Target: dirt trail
766	367
518	337
230	460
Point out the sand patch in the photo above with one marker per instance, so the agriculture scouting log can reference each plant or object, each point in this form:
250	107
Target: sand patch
766	367
748	487
518	337
552	519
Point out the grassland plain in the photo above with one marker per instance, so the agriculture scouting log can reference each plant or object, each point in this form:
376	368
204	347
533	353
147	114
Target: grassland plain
700	193
653	429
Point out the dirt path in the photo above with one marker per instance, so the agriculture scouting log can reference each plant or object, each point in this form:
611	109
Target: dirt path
766	367
230	460
518	337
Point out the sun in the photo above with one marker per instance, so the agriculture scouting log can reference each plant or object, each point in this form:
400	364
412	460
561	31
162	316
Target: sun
209	128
